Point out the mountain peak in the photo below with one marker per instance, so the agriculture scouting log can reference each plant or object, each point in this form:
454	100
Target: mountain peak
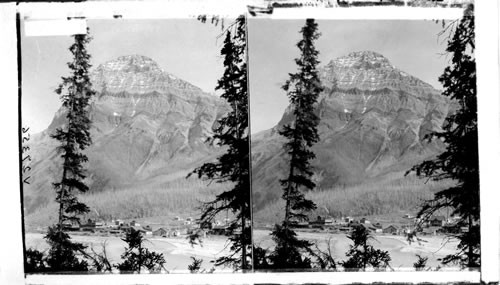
137	74
369	70
362	60
131	63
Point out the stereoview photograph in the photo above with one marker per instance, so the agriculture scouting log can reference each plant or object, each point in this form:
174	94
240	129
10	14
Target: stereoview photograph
136	146
364	145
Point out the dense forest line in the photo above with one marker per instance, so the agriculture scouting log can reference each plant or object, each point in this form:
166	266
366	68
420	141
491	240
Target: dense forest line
395	194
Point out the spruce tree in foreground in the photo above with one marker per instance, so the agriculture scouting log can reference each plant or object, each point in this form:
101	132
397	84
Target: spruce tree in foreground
233	166
362	255
75	92
303	88
137	257
460	161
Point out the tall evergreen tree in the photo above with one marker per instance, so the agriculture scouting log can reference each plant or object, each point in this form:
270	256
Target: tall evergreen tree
303	88
460	161
233	165
75	92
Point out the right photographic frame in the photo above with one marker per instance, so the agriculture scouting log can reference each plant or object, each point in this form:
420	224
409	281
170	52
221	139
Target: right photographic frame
364	143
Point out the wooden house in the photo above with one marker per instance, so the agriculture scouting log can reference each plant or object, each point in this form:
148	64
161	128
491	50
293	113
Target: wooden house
71	226
134	224
393	230
161	232
437	221
430	231
329	221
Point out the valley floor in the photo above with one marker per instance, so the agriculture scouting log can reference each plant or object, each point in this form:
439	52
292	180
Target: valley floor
403	255
177	250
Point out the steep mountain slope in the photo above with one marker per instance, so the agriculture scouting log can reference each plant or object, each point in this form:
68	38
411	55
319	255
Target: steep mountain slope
148	127
373	119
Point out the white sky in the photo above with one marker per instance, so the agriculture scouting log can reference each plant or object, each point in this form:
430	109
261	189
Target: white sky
411	45
186	48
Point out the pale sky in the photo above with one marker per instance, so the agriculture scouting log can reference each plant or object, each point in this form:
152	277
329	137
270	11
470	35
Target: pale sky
412	46
185	48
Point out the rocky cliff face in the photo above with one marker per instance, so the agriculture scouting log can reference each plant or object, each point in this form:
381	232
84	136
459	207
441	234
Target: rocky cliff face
373	119
146	124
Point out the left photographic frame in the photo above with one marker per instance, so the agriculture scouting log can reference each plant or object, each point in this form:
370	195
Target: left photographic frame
135	145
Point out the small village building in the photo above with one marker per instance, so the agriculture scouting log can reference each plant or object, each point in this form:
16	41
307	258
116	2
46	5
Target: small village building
89	226
71	226
329	221
437	221
302	225
364	221
430	231
345	229
161	232
391	230
148	228
219	231
124	228
99	225
317	223
378	225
